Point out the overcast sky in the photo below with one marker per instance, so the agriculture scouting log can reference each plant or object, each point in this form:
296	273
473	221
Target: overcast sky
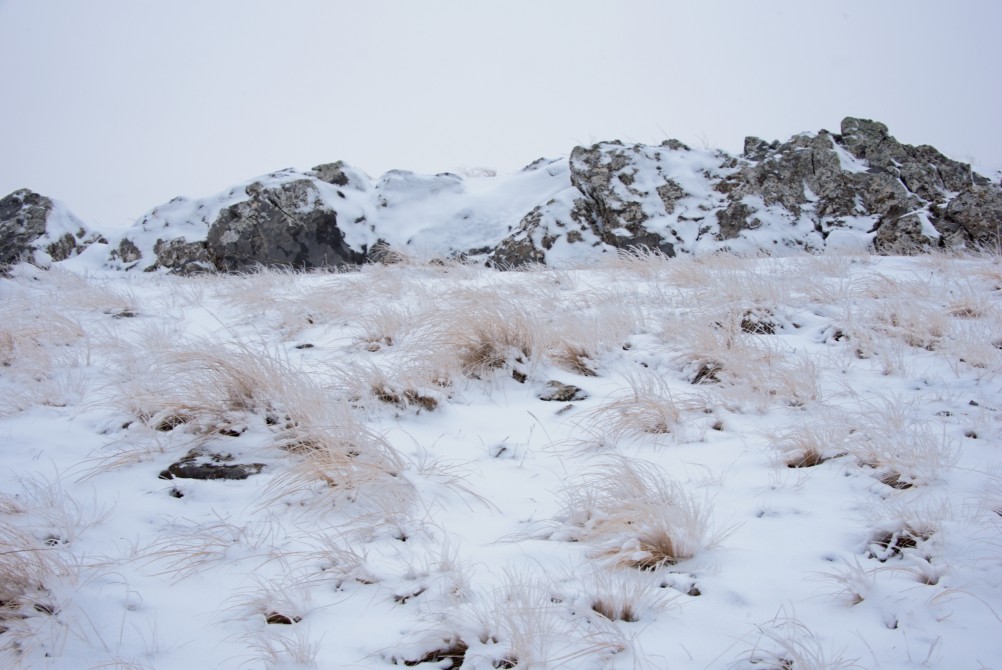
115	106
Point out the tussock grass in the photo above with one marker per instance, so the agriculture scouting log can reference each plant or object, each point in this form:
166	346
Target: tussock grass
624	595
186	548
900	528
280	648
366	473
489	331
753	371
337	459
902	448
787	644
853	582
590	325
812	443
523	622
28	568
634	516
649	410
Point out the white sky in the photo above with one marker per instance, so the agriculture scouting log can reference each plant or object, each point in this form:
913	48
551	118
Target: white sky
115	106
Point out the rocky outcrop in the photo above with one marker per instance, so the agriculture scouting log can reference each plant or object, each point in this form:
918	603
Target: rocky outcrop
859	188
973	218
281	222
35	229
856	189
285	226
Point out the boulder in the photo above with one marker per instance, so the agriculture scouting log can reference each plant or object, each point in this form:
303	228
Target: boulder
973	219
182	257
286	225
203	464
556	391
342	175
36	229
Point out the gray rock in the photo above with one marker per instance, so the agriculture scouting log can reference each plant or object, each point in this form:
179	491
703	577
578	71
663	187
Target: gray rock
201	464
756	148
182	257
974	219
126	252
903	235
735	218
559	392
26	227
516	252
22	222
341	174
924	171
623	188
285	226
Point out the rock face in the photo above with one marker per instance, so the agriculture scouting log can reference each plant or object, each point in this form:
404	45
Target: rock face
857	189
285	222
287	226
33	228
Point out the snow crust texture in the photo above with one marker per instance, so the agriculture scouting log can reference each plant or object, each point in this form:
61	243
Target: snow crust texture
639	462
859	189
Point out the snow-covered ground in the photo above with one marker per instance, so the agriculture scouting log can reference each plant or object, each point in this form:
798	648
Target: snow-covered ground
765	463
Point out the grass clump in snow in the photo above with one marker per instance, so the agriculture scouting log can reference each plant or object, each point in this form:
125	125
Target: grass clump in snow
635	516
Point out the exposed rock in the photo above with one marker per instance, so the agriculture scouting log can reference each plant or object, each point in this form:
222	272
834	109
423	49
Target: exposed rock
287	225
516	252
539	163
973	218
35	229
858	189
127	252
341	174
559	392
904	235
200	464
756	148
924	170
279	618
731	221
182	257
22	221
605	174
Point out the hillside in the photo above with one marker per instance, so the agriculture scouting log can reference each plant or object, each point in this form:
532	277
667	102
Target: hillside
632	462
848	191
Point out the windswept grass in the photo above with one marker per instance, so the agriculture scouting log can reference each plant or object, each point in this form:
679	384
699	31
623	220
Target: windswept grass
634	516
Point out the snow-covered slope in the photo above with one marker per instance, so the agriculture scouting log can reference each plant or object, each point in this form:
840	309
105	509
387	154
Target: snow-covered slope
423	215
854	190
643	463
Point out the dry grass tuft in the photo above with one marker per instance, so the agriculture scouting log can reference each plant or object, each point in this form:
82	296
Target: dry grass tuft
624	595
635	516
813	443
787	644
649	410
902	447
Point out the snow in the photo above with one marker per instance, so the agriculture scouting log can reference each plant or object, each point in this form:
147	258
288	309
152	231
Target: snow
425	216
452	493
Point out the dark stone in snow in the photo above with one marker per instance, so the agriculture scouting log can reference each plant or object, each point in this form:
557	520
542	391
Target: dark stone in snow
559	392
198	464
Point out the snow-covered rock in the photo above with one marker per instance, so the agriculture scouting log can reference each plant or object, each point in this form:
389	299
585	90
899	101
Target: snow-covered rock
39	230
860	188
